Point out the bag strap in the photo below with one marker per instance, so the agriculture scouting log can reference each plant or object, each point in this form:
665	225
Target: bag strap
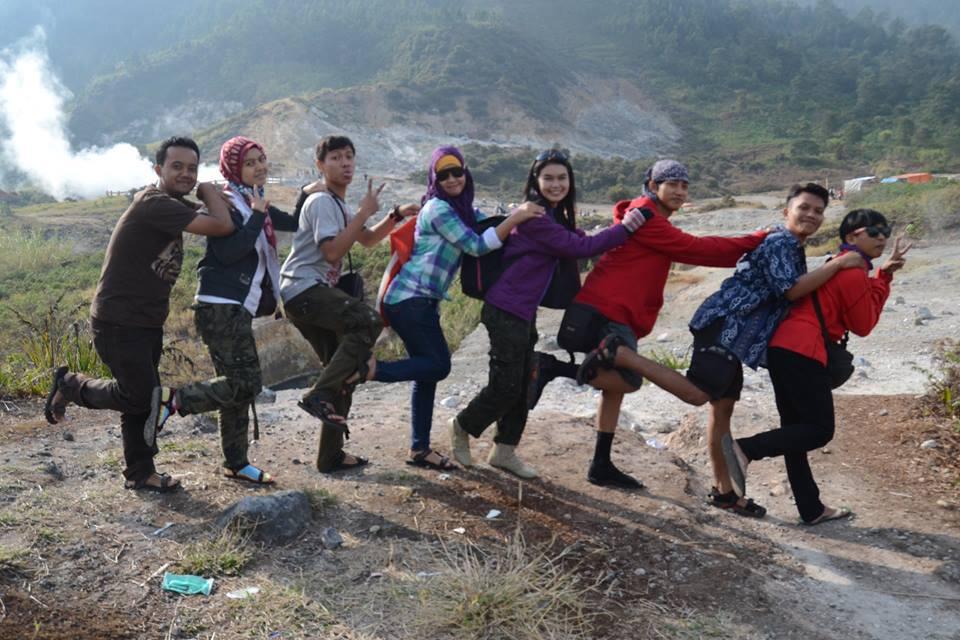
823	323
343	213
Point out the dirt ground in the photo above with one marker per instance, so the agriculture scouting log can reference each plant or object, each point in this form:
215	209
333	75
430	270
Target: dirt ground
80	557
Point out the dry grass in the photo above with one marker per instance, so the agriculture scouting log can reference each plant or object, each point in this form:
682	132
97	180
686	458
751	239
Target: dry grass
223	554
14	564
508	592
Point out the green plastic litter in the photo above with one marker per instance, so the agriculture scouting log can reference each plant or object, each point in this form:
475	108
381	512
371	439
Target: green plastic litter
187	585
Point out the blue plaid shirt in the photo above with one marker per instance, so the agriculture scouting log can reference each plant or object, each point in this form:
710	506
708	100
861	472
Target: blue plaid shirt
440	240
750	303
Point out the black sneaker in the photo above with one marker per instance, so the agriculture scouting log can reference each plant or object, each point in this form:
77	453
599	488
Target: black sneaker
605	474
546	369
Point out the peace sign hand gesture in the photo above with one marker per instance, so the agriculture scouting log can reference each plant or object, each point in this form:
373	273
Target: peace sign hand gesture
370	202
896	260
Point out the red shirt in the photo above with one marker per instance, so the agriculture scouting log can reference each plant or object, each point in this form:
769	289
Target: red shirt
851	301
626	285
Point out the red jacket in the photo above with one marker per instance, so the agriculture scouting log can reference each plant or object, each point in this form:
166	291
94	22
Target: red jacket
626	285
851	301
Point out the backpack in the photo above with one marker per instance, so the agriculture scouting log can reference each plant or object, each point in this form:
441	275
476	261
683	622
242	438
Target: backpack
478	274
401	248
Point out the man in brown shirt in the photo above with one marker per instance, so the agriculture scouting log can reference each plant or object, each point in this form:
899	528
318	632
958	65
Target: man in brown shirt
142	263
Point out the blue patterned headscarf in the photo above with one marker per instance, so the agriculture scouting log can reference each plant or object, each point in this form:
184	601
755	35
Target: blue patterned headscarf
463	203
664	171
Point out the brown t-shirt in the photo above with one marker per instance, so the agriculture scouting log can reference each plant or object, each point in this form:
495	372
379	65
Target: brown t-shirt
143	261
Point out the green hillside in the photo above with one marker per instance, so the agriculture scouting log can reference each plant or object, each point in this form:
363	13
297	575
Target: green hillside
755	79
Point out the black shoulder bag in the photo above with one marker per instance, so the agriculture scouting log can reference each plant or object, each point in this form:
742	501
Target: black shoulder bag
839	360
351	283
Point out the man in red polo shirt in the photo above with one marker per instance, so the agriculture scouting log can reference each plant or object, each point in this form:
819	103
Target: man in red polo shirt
626	288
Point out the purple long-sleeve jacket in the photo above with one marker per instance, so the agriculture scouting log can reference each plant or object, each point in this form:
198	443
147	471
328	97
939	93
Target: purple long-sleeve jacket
532	251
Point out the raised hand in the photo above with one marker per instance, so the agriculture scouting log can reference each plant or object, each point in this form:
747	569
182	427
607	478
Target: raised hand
896	260
257	203
370	203
634	219
850	260
317	186
526	211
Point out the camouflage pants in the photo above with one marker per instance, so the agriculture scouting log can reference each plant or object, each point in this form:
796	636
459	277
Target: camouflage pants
227	330
342	331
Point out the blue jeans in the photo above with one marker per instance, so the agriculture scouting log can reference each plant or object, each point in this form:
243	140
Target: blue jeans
417	322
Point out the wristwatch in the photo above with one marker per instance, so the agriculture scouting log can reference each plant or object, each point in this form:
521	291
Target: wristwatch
395	214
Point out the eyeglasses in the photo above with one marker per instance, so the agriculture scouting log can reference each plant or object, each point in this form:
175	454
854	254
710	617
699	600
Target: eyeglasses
876	230
552	154
456	172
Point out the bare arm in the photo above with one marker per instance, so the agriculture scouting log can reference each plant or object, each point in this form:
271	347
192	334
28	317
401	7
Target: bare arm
376	233
810	282
217	221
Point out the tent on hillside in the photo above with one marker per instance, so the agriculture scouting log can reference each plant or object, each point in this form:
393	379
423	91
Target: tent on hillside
915	178
857	184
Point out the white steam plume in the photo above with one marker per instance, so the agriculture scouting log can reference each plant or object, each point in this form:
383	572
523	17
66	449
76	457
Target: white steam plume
31	110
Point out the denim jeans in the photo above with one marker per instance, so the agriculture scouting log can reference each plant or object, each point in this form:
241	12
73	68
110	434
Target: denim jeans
417	322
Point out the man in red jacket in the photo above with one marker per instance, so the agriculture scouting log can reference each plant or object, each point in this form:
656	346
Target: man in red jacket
626	288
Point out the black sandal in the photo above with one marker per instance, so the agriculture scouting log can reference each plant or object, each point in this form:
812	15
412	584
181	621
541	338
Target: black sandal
167	484
600	358
359	461
420	460
324	411
56	409
731	502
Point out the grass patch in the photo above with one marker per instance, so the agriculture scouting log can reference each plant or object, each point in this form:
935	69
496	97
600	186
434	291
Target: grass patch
917	209
274	609
670	359
320	498
46	535
224	554
192	448
943	392
112	459
13	563
9	520
511	592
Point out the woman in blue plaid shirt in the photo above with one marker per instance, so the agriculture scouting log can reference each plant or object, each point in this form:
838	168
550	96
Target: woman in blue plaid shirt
446	229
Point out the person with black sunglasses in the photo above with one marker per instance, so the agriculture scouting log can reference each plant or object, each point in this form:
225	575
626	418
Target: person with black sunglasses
446	228
533	272
851	300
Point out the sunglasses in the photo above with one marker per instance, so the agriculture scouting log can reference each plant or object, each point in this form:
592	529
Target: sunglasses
877	230
552	154
456	172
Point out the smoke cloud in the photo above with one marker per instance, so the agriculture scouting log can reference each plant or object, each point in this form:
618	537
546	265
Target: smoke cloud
36	139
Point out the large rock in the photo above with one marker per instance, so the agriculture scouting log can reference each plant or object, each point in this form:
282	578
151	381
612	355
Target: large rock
277	517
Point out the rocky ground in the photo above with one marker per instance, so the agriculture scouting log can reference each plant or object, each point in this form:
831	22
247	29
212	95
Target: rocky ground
82	558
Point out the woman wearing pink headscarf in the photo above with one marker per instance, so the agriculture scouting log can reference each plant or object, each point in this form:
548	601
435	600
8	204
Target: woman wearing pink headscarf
238	281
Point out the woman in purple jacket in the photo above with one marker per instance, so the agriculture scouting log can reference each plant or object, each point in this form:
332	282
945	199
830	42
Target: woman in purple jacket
531	255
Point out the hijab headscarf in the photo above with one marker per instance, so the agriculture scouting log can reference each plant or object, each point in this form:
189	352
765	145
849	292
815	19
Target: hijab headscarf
232	154
463	203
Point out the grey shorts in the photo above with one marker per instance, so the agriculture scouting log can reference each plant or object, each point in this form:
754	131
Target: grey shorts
624	332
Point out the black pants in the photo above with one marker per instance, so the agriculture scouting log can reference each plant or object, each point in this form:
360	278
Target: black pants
132	354
504	399
805	403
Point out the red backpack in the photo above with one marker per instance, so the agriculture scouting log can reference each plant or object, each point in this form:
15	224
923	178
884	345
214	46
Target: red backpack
401	248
